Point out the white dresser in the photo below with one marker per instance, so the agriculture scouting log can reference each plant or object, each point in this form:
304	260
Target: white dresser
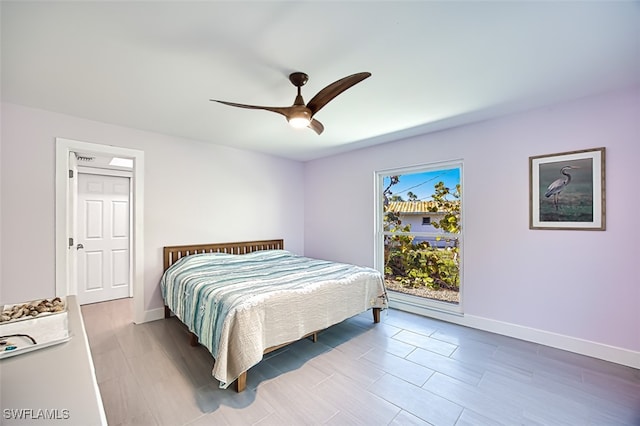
56	384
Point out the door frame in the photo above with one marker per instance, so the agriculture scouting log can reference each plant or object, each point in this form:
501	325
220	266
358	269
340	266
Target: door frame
65	278
407	302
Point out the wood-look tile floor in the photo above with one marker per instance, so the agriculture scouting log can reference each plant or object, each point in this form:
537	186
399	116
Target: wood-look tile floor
406	370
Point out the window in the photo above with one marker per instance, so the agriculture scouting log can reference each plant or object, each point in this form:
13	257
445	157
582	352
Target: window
419	238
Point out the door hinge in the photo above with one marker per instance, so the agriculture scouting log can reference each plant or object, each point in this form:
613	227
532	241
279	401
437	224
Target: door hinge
70	242
70	174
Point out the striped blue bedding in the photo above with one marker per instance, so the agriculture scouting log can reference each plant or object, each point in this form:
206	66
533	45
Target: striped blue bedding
203	290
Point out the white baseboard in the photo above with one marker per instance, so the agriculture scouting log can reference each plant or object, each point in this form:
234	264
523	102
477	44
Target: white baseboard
152	315
572	344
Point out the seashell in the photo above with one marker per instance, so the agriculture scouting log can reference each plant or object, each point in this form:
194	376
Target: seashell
17	314
4	318
42	308
57	299
57	308
48	304
33	313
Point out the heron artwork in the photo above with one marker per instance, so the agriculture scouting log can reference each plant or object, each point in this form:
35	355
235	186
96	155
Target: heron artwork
558	185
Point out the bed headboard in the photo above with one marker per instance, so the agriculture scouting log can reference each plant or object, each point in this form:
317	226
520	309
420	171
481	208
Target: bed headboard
173	253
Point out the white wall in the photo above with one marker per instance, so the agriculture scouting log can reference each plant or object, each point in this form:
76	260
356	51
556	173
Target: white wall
1	125
194	193
583	285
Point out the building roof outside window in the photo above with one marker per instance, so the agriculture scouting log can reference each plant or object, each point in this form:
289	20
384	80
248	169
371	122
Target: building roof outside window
412	207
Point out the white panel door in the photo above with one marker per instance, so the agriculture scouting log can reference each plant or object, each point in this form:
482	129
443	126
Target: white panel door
103	238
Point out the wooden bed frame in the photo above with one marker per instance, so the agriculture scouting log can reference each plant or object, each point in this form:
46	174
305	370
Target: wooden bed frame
172	254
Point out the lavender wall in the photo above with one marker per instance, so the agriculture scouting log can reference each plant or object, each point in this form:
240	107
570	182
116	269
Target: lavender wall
194	193
590	293
581	284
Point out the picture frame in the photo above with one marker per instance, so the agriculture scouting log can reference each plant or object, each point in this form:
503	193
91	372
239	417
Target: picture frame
567	190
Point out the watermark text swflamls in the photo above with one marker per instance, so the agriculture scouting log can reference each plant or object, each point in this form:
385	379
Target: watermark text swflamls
36	414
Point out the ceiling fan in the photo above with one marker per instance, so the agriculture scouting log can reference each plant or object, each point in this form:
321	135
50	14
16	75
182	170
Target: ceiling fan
300	115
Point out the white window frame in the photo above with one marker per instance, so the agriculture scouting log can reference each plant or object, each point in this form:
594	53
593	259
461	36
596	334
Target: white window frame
404	301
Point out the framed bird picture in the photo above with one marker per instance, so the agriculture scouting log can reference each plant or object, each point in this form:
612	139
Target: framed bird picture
567	191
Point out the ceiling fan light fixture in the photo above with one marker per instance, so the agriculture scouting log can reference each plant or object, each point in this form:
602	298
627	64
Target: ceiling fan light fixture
299	122
299	119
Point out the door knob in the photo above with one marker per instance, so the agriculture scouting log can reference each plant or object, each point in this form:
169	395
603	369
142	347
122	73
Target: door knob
79	246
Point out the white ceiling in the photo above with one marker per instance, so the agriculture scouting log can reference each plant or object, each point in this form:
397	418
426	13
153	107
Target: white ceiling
155	65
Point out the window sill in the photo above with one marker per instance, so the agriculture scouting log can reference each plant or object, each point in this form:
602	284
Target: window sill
423	306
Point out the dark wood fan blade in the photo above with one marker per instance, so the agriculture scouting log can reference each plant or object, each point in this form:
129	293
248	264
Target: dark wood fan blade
280	110
334	89
316	126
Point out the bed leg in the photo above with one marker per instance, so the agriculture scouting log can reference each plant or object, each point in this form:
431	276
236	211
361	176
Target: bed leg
167	312
194	339
314	337
241	383
376	315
